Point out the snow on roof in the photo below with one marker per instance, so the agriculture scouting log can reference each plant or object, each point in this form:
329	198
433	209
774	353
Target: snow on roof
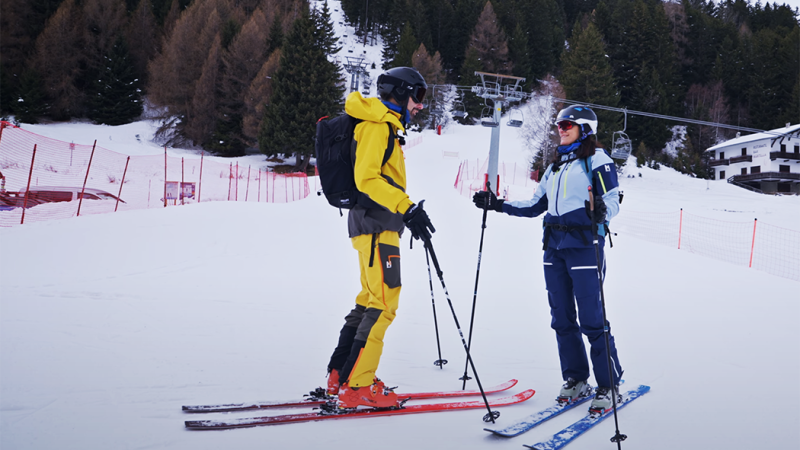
772	134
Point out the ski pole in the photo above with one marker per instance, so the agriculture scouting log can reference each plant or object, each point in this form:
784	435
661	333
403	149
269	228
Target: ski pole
439	362
466	377
618	437
492	414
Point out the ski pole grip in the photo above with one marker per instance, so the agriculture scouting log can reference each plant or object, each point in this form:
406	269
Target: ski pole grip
591	200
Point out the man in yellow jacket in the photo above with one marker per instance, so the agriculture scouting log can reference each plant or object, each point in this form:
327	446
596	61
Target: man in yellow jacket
375	234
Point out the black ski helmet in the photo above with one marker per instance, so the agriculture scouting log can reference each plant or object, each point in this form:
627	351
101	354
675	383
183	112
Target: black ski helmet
581	115
400	83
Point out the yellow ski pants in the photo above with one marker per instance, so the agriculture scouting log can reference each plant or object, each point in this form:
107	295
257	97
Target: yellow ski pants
379	296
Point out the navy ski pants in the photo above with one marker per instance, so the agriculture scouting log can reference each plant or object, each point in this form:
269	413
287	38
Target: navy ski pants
571	278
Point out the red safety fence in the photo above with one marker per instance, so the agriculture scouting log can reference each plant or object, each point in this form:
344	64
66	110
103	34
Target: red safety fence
45	179
755	244
514	180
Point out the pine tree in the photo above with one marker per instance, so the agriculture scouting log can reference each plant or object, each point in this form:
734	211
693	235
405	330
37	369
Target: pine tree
391	32
465	16
430	67
518	52
305	88
175	71
473	104
241	61
59	61
115	97
258	94
7	94
31	104
587	77
143	31
275	39
490	42
324	30
405	48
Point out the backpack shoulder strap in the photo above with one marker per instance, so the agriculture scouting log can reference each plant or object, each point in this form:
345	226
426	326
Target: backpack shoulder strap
587	164
390	147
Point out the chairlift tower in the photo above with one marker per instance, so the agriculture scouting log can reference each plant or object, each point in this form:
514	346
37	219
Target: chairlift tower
355	66
501	90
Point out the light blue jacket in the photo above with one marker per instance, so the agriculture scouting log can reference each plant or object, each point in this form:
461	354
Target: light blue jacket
562	195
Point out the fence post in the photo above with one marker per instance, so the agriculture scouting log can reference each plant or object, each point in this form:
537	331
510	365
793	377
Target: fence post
247	189
680	229
230	178
753	244
28	189
88	168
259	186
180	190
165	176
200	181
124	172
236	190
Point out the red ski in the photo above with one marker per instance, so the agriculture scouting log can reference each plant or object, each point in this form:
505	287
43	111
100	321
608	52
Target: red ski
312	401
311	417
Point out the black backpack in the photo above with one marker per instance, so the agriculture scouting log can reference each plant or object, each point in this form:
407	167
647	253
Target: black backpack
335	151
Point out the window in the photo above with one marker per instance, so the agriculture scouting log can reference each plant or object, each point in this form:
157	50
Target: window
783	148
755	169
744	170
722	155
721	174
744	151
797	149
784	169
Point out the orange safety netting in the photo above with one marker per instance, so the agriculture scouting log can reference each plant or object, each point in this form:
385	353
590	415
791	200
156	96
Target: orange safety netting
40	174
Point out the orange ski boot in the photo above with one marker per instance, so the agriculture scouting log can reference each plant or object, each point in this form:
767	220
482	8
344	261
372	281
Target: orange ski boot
376	395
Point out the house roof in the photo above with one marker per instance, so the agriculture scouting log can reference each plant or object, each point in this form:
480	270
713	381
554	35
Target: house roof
793	130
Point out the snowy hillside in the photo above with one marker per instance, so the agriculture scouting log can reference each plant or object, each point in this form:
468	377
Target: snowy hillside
109	323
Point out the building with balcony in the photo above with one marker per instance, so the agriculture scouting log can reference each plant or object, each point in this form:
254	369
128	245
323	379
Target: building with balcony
766	162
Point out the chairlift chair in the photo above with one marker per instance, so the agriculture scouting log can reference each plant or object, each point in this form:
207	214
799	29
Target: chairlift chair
621	143
459	110
515	118
487	117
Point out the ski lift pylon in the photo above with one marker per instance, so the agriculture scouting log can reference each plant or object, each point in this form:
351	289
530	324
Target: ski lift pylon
621	143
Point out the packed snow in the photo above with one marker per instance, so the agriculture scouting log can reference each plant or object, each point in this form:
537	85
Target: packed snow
109	323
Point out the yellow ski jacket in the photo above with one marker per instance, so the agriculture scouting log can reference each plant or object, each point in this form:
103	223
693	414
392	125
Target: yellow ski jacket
384	184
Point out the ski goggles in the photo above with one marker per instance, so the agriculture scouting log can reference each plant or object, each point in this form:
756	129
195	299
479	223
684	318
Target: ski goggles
418	93
565	125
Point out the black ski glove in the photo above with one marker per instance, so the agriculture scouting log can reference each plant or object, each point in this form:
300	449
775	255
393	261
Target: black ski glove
487	200
599	209
417	221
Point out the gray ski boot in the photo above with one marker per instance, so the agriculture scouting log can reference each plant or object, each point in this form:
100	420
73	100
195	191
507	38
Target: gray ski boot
573	390
602	401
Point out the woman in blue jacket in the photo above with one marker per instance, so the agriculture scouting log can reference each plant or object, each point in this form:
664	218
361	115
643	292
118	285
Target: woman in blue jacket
570	262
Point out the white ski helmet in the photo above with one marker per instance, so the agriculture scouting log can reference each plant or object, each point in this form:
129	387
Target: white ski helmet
581	115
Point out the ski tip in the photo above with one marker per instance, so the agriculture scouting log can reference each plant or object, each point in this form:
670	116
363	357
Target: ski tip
525	395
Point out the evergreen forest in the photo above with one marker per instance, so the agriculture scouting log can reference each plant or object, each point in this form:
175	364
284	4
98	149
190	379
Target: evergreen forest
232	75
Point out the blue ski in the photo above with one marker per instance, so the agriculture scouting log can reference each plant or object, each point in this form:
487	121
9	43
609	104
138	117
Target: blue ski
537	418
568	434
